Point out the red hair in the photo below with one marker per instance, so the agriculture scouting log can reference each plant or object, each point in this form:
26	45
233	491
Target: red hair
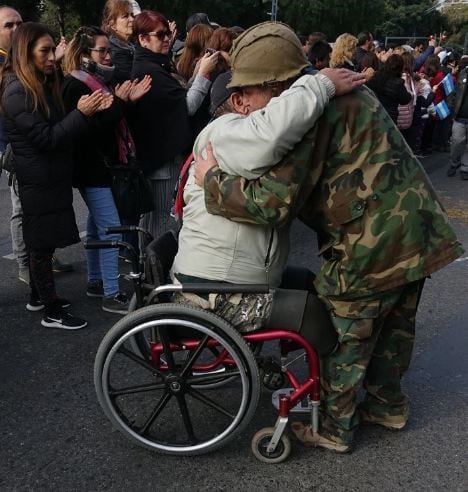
147	22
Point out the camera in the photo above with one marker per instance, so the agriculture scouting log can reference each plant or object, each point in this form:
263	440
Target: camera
209	51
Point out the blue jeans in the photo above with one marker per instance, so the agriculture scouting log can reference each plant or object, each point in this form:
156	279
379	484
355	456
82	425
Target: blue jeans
103	264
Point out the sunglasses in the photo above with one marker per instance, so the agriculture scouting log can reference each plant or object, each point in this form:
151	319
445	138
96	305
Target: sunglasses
11	25
161	35
102	51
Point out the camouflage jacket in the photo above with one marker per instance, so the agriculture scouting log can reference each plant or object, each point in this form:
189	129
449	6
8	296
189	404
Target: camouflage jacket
354	181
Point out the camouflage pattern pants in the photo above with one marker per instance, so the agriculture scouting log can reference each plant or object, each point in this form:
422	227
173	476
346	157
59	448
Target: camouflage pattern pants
246	312
376	337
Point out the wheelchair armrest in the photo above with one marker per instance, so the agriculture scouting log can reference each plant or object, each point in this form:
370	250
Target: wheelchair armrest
223	288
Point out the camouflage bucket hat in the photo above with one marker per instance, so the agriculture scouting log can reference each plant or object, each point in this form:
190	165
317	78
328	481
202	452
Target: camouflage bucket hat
266	53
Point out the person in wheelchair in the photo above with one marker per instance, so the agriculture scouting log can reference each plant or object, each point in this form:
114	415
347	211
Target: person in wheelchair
213	249
381	231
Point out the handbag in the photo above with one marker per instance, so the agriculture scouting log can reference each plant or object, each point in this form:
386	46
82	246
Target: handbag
131	190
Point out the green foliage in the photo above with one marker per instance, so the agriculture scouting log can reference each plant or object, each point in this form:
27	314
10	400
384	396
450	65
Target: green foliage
457	18
333	17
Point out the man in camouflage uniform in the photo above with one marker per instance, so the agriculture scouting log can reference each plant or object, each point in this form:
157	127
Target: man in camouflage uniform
381	229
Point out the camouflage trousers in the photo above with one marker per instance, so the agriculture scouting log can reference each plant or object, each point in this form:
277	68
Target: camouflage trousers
246	312
376	337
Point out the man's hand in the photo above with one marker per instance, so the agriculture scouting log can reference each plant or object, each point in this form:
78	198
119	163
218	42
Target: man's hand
344	80
202	166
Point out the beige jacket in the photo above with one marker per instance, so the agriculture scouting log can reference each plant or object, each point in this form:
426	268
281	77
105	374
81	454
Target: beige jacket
215	248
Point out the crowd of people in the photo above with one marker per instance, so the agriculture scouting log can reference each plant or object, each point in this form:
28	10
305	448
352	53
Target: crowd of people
332	148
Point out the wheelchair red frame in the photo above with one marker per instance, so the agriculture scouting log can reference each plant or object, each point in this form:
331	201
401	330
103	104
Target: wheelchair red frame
270	445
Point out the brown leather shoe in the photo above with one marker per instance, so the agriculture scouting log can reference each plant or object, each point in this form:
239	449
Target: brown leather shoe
308	438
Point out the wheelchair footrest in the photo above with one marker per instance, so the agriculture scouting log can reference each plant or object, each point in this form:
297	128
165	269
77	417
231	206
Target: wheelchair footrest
304	406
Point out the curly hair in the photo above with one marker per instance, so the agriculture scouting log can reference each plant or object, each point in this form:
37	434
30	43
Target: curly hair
343	50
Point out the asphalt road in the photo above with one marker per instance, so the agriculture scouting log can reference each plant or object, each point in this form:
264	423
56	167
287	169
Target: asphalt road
54	436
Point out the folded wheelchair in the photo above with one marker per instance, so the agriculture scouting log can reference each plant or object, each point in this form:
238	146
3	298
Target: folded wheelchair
182	381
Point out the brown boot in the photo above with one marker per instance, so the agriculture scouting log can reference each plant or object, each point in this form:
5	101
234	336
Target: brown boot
305	435
393	422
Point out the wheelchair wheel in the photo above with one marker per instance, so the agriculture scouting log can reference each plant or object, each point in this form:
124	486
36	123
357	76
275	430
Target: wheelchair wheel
166	402
260	444
141	343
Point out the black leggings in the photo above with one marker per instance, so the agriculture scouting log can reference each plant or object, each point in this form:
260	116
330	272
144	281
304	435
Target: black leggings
42	278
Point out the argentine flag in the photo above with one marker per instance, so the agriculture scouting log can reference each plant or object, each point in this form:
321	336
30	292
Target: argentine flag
442	110
447	84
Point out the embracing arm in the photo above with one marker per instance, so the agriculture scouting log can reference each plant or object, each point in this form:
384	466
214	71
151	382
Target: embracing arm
271	199
248	146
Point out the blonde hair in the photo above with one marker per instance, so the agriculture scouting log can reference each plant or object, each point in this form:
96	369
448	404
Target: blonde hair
20	61
112	10
343	50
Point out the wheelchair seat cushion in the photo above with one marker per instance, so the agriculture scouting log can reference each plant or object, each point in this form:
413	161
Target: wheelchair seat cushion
303	312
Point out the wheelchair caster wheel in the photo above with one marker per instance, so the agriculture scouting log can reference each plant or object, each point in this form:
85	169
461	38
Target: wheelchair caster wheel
260	443
273	381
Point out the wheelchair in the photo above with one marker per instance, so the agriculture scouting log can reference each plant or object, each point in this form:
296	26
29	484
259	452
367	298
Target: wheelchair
182	381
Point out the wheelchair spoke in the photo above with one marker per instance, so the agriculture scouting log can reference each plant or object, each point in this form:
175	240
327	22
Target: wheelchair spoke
167	349
208	378
157	410
186	418
139	360
137	389
210	403
194	356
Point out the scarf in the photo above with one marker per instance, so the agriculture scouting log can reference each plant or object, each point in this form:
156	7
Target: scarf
125	142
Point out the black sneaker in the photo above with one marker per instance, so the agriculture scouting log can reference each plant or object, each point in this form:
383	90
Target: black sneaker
35	304
60	266
63	320
95	289
116	304
452	170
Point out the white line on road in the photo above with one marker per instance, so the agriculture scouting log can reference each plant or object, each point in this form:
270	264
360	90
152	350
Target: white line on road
462	259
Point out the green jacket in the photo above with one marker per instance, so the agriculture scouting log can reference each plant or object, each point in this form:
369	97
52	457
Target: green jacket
356	183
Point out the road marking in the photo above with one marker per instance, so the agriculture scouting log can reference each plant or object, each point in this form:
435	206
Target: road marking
462	259
11	256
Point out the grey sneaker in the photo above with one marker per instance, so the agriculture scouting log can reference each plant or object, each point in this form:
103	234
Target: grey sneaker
116	304
59	266
23	274
95	289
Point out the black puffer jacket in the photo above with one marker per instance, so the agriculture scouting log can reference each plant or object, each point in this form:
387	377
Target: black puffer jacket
390	91
96	150
161	125
42	149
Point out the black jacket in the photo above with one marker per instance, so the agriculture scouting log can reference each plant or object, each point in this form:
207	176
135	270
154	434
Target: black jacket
390	91
460	90
161	126
122	58
41	146
96	150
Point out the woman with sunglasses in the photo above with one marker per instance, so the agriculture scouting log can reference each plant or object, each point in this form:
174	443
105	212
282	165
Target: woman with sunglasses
107	143
41	136
162	129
